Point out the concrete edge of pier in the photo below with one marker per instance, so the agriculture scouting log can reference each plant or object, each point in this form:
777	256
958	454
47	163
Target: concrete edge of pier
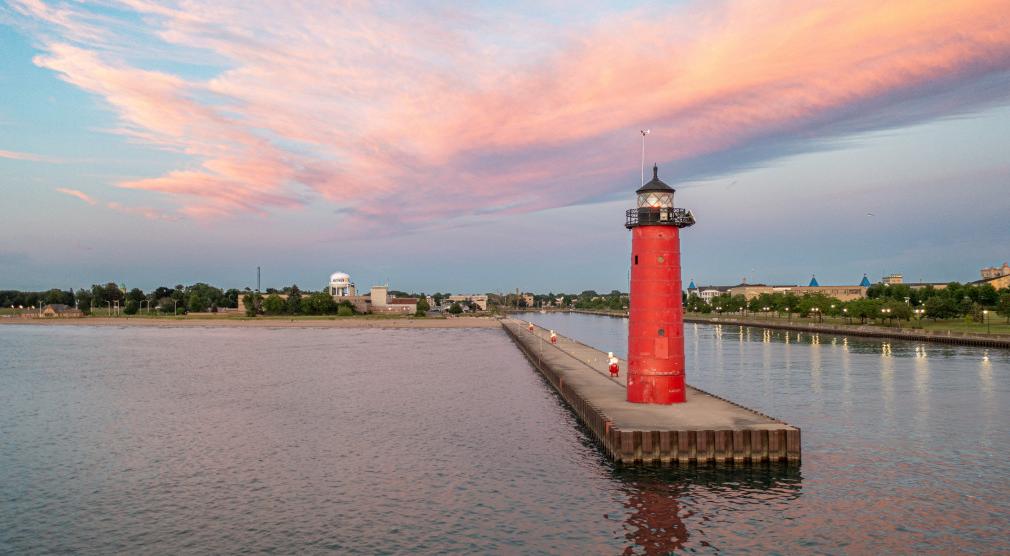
706	429
962	339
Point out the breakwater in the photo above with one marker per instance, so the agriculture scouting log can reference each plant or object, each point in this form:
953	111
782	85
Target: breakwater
706	429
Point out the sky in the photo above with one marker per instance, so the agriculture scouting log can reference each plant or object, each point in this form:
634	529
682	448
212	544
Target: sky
490	146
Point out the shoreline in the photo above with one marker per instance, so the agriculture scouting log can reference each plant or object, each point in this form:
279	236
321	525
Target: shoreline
866	331
270	322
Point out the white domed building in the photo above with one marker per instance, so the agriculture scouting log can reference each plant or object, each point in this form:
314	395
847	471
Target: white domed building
341	285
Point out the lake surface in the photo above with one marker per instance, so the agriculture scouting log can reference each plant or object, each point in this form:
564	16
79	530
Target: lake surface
223	440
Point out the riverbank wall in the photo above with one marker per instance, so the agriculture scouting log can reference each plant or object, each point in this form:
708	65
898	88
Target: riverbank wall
706	429
823	328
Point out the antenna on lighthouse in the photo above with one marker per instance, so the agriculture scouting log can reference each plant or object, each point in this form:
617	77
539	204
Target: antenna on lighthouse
644	132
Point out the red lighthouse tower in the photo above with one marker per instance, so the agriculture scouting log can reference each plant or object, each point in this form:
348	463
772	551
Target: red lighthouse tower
656	316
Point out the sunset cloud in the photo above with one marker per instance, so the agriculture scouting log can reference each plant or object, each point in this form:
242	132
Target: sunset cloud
441	114
78	194
14	155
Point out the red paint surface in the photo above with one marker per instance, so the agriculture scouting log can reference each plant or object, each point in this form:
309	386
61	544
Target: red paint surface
656	317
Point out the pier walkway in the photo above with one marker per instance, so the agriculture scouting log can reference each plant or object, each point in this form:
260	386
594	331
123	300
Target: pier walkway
704	429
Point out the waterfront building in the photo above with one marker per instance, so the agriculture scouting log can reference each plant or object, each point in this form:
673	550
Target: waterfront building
750	291
998	282
892	279
842	293
477	299
994	272
59	310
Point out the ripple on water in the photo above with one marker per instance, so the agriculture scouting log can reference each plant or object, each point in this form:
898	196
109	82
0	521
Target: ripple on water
363	441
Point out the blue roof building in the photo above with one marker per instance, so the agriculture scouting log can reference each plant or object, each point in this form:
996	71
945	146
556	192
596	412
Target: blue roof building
813	282
866	282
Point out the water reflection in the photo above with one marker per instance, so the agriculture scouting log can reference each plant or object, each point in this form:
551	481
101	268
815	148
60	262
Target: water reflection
664	504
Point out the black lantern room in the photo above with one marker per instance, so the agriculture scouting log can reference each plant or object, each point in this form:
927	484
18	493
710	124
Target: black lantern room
655	206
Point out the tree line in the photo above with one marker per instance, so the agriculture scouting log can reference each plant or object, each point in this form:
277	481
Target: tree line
882	302
199	297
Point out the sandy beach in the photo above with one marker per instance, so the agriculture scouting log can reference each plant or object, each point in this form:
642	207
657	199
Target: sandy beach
271	322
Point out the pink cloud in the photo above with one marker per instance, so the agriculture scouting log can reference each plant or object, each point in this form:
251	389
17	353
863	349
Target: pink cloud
146	212
426	113
78	194
15	155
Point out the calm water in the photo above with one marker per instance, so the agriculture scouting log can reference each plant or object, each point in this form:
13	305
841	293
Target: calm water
416	441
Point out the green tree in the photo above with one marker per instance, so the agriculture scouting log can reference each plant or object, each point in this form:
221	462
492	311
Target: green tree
455	308
294	300
197	303
344	311
1003	307
136	294
251	302
422	307
131	307
274	305
987	295
167	305
319	303
941	307
230	299
864	309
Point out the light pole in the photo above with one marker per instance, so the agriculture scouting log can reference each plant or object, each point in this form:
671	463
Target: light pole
845	311
766	309
918	315
644	132
886	311
789	316
175	307
985	317
816	311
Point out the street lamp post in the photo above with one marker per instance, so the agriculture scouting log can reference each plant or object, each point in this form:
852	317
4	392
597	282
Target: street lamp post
985	317
766	309
817	311
789	315
886	312
845	310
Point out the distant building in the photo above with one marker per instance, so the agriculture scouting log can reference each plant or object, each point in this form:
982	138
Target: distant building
59	310
406	305
998	282
528	298
994	272
341	285
750	291
865	283
841	293
479	300
892	279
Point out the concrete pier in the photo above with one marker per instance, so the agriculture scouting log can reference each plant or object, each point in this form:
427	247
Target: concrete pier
705	429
